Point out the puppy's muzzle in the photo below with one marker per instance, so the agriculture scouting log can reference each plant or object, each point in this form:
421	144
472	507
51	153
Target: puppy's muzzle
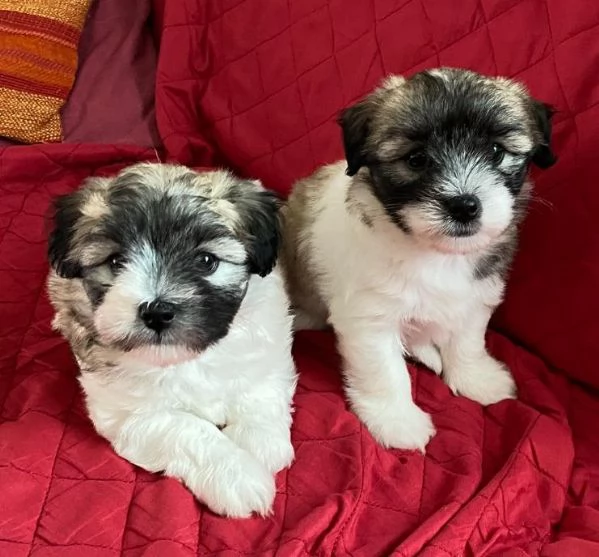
157	315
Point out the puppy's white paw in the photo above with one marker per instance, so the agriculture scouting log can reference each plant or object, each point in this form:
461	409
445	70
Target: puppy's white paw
236	486
428	355
271	447
486	381
396	424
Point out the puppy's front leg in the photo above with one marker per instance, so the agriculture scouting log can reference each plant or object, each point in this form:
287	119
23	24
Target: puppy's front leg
469	370
227	478
261	425
378	383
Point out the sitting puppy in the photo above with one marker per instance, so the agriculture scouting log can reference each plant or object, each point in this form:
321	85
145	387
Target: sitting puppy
163	283
408	252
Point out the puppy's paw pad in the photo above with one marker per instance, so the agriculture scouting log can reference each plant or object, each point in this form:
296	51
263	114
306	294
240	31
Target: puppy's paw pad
485	382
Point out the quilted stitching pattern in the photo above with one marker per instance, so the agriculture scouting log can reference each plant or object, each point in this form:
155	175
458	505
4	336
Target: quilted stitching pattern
74	494
256	85
39	425
280	74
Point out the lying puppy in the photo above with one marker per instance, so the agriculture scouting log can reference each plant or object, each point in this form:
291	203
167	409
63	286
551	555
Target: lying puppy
163	283
408	252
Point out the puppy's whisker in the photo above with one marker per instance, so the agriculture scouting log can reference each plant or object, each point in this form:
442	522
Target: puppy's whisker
537	200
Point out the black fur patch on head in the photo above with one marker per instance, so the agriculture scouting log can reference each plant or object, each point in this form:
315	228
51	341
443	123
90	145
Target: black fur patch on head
67	211
261	229
355	122
173	224
170	230
543	155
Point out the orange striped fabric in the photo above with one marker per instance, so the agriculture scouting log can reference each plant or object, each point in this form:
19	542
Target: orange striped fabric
38	63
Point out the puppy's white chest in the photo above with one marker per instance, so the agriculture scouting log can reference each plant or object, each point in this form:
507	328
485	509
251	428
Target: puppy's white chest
432	290
430	297
185	387
196	393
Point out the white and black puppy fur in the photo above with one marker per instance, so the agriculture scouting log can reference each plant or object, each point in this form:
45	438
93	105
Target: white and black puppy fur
404	248
164	282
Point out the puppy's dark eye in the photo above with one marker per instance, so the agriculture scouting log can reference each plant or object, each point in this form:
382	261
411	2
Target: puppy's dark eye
417	160
208	263
498	152
116	262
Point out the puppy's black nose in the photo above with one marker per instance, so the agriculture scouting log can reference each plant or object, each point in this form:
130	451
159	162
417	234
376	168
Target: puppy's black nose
463	208
157	315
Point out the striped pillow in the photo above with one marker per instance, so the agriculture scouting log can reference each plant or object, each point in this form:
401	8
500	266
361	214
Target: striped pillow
38	62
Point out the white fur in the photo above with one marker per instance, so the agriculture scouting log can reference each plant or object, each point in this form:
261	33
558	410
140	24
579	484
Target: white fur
389	295
466	177
161	409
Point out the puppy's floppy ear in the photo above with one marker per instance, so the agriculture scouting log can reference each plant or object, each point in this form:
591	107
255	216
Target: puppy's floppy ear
543	156
66	213
261	228
355	123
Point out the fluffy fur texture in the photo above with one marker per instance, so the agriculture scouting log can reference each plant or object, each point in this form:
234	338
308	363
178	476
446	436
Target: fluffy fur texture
406	252
164	283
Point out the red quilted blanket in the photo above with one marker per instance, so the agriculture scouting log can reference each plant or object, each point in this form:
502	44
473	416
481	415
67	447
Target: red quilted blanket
256	85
